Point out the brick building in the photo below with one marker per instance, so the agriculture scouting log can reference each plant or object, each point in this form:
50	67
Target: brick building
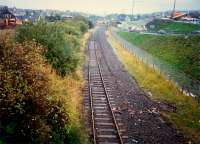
7	19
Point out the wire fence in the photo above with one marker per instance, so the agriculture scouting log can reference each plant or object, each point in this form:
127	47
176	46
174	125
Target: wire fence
183	82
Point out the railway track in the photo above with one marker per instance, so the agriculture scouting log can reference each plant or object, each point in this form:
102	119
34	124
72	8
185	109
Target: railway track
116	109
106	123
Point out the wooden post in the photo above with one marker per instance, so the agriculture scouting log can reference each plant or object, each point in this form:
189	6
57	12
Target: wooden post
6	22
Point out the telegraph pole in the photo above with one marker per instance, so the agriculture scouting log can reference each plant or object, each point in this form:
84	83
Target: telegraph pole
174	8
133	4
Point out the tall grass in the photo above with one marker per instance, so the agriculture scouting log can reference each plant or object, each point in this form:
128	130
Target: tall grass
187	117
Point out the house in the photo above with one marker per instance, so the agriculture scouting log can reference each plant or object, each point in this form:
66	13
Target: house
7	19
178	15
66	17
184	17
190	19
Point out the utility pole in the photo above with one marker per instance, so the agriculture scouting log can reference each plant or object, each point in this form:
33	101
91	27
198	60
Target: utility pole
174	8
133	4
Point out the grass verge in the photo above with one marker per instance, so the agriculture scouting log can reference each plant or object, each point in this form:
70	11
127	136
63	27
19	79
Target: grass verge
187	117
179	51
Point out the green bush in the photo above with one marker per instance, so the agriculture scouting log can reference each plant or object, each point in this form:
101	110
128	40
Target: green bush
29	112
34	103
60	39
24	91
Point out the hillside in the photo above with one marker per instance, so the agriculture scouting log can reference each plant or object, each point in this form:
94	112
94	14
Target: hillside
181	52
172	26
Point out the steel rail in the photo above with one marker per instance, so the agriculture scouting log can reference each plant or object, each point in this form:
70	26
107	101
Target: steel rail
91	102
107	97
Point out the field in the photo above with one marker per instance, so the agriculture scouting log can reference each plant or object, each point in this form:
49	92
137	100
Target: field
183	53
175	27
187	115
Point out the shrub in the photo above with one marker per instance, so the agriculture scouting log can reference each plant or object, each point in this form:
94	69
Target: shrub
61	41
24	90
34	104
28	113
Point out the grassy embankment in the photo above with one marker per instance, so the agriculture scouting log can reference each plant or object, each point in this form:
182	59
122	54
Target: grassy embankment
41	83
72	85
187	117
174	27
183	53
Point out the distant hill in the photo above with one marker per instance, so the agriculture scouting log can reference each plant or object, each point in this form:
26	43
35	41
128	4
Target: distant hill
170	26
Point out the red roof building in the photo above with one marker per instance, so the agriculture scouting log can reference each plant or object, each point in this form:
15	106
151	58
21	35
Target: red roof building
178	15
7	19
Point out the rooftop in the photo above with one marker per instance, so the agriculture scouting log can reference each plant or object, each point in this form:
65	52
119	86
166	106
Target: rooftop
5	13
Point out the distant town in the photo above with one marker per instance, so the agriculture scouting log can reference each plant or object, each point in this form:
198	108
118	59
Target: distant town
145	22
10	17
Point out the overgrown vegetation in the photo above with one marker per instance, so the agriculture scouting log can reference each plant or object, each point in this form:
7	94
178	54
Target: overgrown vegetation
173	27
183	53
61	40
187	115
41	83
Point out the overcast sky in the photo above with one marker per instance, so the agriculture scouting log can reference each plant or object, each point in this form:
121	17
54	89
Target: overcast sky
103	7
